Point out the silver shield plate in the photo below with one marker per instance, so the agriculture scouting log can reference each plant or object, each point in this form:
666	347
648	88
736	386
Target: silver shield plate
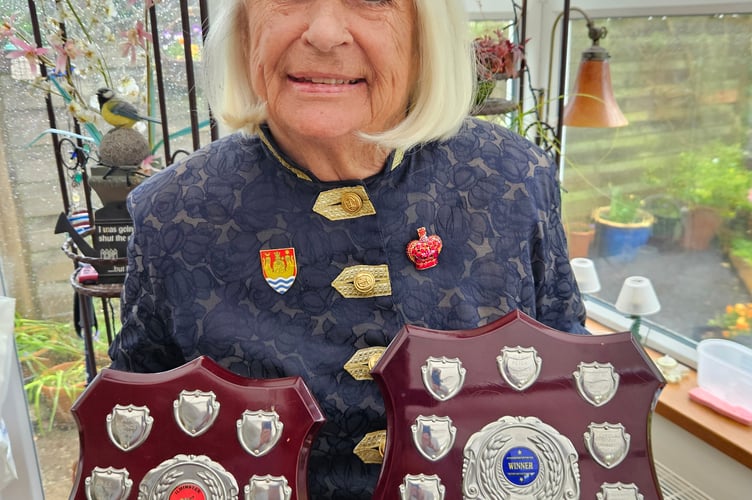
129	426
433	436
267	488
619	491
608	444
196	411
520	366
259	431
108	484
422	487
597	382
443	377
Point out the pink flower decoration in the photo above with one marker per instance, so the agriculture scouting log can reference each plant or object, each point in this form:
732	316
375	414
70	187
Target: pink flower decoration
134	37
31	53
7	31
147	165
69	50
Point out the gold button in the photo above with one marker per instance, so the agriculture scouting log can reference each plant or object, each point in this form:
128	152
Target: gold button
364	282
351	202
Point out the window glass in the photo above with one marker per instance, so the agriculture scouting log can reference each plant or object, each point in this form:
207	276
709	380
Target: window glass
682	162
33	268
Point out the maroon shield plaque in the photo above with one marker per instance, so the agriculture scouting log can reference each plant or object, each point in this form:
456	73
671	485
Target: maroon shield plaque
515	409
198	431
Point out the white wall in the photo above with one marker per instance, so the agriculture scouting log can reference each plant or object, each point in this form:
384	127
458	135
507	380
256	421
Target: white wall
699	463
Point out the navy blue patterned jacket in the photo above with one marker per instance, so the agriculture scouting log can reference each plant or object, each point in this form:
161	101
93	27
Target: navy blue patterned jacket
195	283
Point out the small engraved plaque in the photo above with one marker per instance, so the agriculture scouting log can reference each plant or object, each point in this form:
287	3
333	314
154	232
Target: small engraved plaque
520	457
188	476
267	487
608	444
129	426
596	382
196	411
259	431
619	491
108	484
520	366
443	377
422	487
433	436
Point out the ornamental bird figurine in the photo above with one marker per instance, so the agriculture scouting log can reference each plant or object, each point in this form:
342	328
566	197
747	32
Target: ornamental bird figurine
118	112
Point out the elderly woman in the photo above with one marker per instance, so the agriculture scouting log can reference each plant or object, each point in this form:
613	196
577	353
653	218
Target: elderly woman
283	249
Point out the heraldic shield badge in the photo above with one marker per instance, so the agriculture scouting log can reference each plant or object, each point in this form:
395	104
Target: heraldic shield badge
198	431
516	410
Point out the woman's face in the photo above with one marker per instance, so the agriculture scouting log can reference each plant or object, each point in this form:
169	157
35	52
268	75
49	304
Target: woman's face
327	68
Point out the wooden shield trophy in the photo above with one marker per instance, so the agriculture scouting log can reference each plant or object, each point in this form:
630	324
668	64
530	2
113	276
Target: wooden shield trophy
516	410
198	431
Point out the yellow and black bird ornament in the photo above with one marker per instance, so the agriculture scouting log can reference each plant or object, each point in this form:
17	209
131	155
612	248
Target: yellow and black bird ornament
118	112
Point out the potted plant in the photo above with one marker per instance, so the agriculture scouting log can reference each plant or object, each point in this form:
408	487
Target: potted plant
667	227
496	58
52	392
713	183
622	227
53	365
740	255
580	235
734	323
42	344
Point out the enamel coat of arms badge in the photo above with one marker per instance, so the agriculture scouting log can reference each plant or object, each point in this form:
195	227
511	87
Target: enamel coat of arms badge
279	267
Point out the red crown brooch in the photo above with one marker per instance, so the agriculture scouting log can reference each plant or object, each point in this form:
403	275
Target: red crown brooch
424	252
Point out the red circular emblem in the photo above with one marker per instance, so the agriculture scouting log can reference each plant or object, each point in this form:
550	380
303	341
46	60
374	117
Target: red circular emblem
187	491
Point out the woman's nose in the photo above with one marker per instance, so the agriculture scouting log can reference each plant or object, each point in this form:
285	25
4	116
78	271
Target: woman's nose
327	25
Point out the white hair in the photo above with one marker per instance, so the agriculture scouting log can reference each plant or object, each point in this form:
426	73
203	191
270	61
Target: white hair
440	100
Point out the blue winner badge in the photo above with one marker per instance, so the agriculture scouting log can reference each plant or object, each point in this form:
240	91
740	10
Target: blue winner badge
520	466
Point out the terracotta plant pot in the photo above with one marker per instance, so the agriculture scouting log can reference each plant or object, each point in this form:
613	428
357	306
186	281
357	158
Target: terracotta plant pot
579	239
701	225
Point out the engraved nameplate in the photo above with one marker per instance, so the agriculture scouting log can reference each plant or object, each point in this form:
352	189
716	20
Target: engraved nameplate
520	366
108	484
129	426
608	444
596	382
267	487
619	491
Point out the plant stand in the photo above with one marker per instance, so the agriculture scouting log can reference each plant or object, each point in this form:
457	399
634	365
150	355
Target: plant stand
105	291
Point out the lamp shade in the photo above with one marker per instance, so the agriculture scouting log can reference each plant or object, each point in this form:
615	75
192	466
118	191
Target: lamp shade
586	275
637	297
593	103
